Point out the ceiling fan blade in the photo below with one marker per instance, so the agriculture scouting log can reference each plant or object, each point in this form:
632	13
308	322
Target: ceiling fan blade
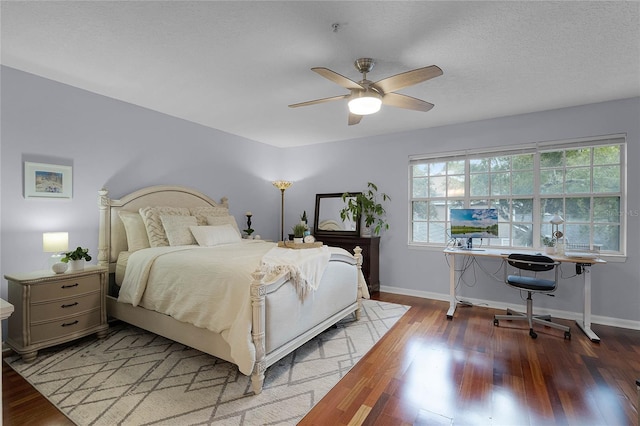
319	101
406	102
354	119
337	78
405	79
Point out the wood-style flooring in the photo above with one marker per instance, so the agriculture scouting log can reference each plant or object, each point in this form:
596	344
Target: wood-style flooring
432	371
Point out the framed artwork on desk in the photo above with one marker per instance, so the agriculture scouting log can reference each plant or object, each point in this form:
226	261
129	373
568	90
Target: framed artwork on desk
47	181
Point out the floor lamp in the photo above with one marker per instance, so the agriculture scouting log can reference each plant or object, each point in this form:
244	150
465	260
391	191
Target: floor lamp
282	185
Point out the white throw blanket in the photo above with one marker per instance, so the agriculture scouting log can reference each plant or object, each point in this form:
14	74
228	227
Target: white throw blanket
210	286
305	266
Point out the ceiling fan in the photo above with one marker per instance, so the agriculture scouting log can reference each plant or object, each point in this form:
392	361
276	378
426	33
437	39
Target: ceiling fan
366	97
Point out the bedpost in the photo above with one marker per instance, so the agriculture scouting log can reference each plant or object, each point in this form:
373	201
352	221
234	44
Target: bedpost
104	227
361	282
258	293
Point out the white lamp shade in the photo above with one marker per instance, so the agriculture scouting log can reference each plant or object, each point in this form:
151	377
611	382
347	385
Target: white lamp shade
55	242
556	219
365	103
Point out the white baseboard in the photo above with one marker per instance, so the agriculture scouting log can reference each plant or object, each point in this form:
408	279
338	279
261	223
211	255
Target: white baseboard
595	319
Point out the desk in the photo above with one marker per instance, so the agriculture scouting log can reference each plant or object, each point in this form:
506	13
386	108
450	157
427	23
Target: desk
585	324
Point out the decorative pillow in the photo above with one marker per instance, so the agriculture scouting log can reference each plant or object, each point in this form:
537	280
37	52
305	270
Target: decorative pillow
177	229
201	213
135	230
223	220
209	236
153	224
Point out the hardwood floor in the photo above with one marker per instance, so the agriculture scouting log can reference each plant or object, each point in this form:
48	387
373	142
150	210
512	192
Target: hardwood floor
431	371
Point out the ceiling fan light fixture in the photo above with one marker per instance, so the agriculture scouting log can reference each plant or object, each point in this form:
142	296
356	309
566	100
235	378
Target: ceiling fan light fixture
364	102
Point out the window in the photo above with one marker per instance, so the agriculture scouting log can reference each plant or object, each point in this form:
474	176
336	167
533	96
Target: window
583	181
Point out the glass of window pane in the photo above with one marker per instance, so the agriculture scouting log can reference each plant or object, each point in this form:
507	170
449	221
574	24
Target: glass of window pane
551	181
578	180
420	232
608	236
455	186
578	157
420	210
499	164
522	183
522	209
437	186
479	165
500	183
419	187
606	209
420	170
479	185
522	235
549	207
551	159
438	210
577	209
609	154
437	169
577	234
606	179
437	233
522	162
455	167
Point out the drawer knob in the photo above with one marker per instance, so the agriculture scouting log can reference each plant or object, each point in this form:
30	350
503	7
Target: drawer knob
70	286
67	324
69	305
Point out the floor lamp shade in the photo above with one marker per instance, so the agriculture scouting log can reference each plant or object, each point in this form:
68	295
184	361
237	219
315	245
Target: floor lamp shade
282	185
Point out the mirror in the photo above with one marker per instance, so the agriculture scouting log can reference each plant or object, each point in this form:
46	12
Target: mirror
327	219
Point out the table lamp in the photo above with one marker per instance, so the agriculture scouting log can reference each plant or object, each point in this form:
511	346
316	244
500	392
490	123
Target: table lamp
56	243
282	185
556	234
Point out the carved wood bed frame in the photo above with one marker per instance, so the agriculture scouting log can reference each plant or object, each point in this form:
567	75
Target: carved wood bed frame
112	240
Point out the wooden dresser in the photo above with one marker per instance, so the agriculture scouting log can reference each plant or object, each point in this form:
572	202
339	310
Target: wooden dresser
55	308
370	255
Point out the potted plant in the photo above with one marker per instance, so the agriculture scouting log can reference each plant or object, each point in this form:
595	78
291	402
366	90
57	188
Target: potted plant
549	245
366	206
76	258
298	232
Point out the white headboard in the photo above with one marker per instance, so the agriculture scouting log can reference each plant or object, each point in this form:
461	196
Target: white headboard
112	238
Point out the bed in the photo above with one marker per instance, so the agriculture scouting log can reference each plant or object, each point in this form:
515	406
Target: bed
280	314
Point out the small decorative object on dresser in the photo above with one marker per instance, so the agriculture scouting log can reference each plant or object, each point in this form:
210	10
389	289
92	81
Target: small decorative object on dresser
76	258
51	309
248	231
298	232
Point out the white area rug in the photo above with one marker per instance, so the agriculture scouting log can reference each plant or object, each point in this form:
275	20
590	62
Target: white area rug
134	377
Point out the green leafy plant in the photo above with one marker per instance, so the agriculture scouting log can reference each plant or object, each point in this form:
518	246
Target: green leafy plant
77	254
298	230
368	206
547	241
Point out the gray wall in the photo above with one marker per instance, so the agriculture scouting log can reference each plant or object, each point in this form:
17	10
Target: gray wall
124	147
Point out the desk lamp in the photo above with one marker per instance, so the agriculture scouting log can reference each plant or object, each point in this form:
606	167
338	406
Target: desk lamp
556	234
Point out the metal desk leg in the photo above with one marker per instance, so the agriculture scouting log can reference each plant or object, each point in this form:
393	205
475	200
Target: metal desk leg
452	286
585	324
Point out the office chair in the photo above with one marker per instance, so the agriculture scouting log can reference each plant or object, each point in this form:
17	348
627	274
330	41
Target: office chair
531	284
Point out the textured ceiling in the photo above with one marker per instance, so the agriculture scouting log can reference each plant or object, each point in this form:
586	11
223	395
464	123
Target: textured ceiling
235	66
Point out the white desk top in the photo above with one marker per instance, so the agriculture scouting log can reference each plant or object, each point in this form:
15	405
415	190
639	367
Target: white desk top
503	253
6	309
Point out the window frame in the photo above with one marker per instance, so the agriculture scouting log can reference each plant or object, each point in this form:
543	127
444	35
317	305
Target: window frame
537	222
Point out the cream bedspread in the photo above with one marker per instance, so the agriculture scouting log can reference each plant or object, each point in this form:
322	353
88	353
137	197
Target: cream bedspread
210	286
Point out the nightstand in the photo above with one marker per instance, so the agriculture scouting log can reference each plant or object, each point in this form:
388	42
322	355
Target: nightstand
56	308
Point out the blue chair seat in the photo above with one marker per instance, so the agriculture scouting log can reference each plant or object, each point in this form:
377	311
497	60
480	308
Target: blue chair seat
531	283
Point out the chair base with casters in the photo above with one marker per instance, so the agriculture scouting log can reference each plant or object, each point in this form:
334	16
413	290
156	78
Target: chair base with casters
535	263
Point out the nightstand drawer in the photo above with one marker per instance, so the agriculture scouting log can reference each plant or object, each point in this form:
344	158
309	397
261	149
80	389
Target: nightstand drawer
63	327
64	288
61	308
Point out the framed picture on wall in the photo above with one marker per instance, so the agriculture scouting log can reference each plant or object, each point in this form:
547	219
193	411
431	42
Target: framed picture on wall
47	181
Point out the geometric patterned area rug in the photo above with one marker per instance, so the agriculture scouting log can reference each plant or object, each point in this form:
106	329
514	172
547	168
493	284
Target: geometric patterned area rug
134	377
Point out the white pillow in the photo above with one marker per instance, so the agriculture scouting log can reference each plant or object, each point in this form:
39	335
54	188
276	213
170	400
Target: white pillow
201	213
177	229
209	236
135	230
153	224
223	220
